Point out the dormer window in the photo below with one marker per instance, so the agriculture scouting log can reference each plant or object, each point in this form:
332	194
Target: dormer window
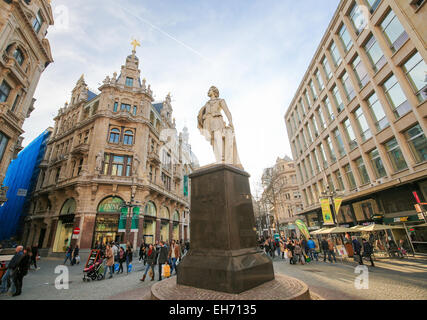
129	82
19	56
37	22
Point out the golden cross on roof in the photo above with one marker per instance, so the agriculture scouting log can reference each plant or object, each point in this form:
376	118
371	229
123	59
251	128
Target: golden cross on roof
135	44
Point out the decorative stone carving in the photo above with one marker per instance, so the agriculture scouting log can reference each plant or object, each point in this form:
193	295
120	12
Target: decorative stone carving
99	159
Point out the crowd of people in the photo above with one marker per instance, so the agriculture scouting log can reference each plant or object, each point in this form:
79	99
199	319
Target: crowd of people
300	250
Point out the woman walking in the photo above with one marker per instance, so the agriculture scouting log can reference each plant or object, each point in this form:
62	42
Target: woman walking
122	258
129	255
76	258
290	248
109	255
151	259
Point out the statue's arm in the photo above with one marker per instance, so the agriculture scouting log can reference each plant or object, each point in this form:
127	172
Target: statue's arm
200	117
227	112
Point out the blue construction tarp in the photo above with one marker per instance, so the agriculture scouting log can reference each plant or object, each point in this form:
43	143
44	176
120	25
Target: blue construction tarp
21	178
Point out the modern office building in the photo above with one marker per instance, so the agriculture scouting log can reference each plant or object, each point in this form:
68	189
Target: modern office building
357	122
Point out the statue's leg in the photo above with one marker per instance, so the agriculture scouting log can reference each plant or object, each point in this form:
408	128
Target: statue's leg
218	145
228	149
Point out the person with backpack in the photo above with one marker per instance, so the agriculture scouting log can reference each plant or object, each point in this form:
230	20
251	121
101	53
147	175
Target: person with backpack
367	251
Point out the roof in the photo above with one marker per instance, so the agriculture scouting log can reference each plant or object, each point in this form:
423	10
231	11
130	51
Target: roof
158	106
90	95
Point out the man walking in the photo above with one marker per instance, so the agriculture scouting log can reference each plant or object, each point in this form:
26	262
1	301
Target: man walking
312	249
163	257
331	251
8	276
367	251
174	254
357	248
35	254
21	271
325	248
68	255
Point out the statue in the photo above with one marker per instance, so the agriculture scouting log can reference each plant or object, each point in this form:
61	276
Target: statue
99	159
215	130
135	166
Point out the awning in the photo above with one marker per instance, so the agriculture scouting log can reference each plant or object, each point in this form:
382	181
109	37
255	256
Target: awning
379	227
317	231
356	228
335	230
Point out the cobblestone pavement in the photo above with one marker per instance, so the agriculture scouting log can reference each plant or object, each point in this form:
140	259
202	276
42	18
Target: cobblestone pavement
391	279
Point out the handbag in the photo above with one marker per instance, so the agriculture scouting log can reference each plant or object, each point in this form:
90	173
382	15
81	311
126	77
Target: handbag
116	267
130	267
166	271
78	259
150	273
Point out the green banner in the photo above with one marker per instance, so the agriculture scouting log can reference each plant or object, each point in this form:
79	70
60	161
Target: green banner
135	220
123	218
303	228
186	186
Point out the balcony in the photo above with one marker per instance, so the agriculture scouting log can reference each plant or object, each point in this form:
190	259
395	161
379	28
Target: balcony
59	159
81	149
154	157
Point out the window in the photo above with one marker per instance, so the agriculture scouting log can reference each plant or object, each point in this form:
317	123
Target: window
305	169
19	56
15	103
329	110
377	112
348	87
364	177
129	82
415	69
335	54
125	107
307	99
4	91
331	149
37	22
322	153
375	54
377	164
116	165
360	72
339	142
313	90
134	110
350	177
417	143
330	183
304	143
310	165
116	106
3	144
308	131
338	100
316	161
114	136
321	118
416	4
166	181
393	31
58	172
167	161
364	130
326	68
303	106
298	115
316	130
396	97
373	4
350	134
128	137
395	155
357	18
339	179
319	80
345	38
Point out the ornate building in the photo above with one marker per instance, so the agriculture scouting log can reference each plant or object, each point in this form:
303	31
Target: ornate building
281	196
24	55
115	168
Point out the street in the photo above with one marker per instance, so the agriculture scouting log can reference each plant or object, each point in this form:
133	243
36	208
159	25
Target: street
391	279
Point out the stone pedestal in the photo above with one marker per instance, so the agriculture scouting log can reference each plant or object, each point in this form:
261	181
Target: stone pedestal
223	253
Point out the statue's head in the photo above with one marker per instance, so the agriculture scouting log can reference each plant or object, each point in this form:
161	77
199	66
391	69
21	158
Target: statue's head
213	92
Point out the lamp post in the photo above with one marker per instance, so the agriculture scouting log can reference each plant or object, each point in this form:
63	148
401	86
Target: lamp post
129	208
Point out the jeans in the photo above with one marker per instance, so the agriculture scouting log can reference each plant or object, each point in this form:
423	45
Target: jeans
330	253
111	268
160	271
128	262
313	254
278	251
173	265
148	268
5	281
68	256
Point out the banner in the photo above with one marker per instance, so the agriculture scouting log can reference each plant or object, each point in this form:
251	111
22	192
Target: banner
123	218
135	220
186	186
303	228
326	212
337	203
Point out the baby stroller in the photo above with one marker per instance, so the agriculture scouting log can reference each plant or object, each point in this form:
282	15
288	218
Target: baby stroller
94	272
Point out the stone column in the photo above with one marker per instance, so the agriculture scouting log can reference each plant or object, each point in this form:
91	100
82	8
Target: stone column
140	233
158	225
52	233
181	231
87	230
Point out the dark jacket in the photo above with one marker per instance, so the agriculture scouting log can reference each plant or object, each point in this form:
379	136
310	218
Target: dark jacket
356	246
151	258
367	248
129	254
13	264
75	252
23	266
163	254
324	245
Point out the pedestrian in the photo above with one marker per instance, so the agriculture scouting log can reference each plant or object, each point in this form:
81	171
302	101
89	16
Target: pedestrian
297	253
34	256
290	247
76	257
277	246
312	249
7	279
325	248
151	257
141	251
282	248
174	254
121	259
331	251
367	251
109	255
163	257
21	271
68	254
356	249
129	256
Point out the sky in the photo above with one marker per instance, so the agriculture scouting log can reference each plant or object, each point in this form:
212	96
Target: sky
255	52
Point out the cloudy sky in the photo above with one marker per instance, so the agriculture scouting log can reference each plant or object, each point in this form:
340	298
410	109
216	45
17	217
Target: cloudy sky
254	52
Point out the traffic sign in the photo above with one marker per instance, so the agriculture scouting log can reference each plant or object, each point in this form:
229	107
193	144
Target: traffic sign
76	231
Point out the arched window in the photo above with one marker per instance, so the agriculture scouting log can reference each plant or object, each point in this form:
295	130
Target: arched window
114	135
164	213
19	56
110	205
69	207
150	209
175	216
128	138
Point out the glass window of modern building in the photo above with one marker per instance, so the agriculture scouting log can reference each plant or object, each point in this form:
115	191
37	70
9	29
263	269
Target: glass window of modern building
298	115
316	130
310	165
338	177
394	31
338	99
373	4
417	142
316	161
377	112
358	20
307	129
350	177
313	90
321	118
331	149
319	80
396	97
339	142
345	38
363	174
326	68
302	137
375	54
415	69
377	164
395	155
323	155
301	111
335	54
360	72
328	108
348	86
4	91
350	134
364	130
301	101
307	99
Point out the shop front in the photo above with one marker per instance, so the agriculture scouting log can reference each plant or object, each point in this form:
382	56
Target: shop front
412	235
64	229
175	227
107	221
149	229
164	227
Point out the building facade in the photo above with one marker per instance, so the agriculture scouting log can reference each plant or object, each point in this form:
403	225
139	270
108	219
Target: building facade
281	196
115	168
25	53
357	122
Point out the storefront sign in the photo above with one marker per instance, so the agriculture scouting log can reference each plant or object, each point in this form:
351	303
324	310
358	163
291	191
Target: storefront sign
303	228
135	220
401	219
326	212
123	218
